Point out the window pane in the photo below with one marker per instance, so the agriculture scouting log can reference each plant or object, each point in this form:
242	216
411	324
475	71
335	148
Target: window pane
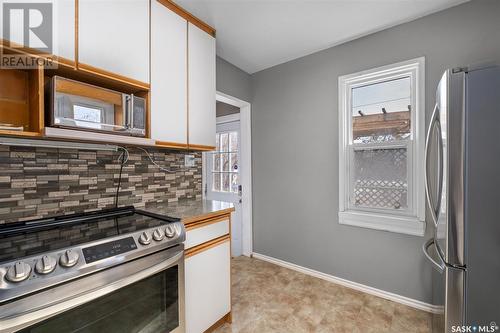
217	139
381	111
87	113
233	141
379	178
225	182
234	162
234	183
225	161
224	142
216	181
216	164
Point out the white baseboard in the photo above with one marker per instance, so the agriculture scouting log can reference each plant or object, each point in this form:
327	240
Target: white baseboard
354	285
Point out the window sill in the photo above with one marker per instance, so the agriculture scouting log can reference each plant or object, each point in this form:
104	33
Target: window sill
398	224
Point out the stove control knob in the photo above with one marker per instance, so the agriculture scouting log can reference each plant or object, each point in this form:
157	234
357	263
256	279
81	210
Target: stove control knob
69	259
170	231
145	238
45	265
157	235
20	271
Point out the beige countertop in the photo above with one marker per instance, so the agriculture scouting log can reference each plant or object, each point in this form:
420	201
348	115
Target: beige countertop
191	210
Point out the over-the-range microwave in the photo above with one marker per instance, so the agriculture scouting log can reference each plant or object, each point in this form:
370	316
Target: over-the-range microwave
78	105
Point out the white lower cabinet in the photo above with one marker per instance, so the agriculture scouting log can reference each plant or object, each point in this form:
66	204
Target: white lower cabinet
208	295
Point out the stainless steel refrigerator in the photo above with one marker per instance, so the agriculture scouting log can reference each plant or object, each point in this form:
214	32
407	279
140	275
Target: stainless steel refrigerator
463	198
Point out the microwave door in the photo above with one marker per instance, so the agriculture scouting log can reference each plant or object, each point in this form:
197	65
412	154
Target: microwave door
137	115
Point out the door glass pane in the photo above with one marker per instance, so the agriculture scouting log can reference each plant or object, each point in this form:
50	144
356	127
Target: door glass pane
234	183
216	181
217	139
379	178
147	306
225	161
225	182
224	142
216	164
381	111
233	141
234	162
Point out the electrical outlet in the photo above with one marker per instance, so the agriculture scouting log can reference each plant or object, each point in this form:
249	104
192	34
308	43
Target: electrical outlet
189	161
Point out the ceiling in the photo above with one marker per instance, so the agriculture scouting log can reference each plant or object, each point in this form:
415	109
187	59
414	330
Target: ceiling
257	34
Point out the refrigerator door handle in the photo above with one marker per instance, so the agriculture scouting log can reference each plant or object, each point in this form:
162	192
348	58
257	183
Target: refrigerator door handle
434	210
439	266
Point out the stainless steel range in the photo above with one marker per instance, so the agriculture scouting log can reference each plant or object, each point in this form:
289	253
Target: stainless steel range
118	270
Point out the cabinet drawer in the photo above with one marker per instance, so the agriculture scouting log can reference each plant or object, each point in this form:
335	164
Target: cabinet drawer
205	232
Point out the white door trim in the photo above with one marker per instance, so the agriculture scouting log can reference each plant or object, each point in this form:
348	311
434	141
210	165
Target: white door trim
246	165
228	119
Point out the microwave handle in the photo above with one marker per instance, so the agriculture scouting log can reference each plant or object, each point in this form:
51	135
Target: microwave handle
127	105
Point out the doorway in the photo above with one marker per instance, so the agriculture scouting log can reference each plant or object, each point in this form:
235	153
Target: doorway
227	170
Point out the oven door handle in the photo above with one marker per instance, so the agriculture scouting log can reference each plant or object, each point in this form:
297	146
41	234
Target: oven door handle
25	319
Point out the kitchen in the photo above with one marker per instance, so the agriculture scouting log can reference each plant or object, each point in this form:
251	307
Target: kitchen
130	201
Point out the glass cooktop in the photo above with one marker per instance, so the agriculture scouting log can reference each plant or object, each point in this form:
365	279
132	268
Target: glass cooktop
28	238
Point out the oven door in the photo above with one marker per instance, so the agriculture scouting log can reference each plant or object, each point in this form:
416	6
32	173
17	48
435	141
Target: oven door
144	295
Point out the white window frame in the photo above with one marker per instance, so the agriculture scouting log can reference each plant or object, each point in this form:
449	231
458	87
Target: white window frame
412	220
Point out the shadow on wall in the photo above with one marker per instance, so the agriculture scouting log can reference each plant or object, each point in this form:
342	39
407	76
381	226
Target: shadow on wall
223	109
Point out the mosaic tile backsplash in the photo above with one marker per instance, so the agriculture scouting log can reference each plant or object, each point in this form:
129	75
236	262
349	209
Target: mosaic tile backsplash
41	182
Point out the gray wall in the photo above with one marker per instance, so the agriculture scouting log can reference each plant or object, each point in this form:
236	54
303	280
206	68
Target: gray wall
295	148
233	81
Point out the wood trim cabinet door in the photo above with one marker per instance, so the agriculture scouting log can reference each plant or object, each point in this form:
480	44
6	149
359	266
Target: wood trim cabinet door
208	293
201	91
168	75
113	36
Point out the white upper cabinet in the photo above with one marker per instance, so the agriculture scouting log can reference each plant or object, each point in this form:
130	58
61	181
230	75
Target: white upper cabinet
113	35
168	75
64	12
201	74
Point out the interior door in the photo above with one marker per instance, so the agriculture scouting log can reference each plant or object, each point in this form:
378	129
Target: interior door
223	180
